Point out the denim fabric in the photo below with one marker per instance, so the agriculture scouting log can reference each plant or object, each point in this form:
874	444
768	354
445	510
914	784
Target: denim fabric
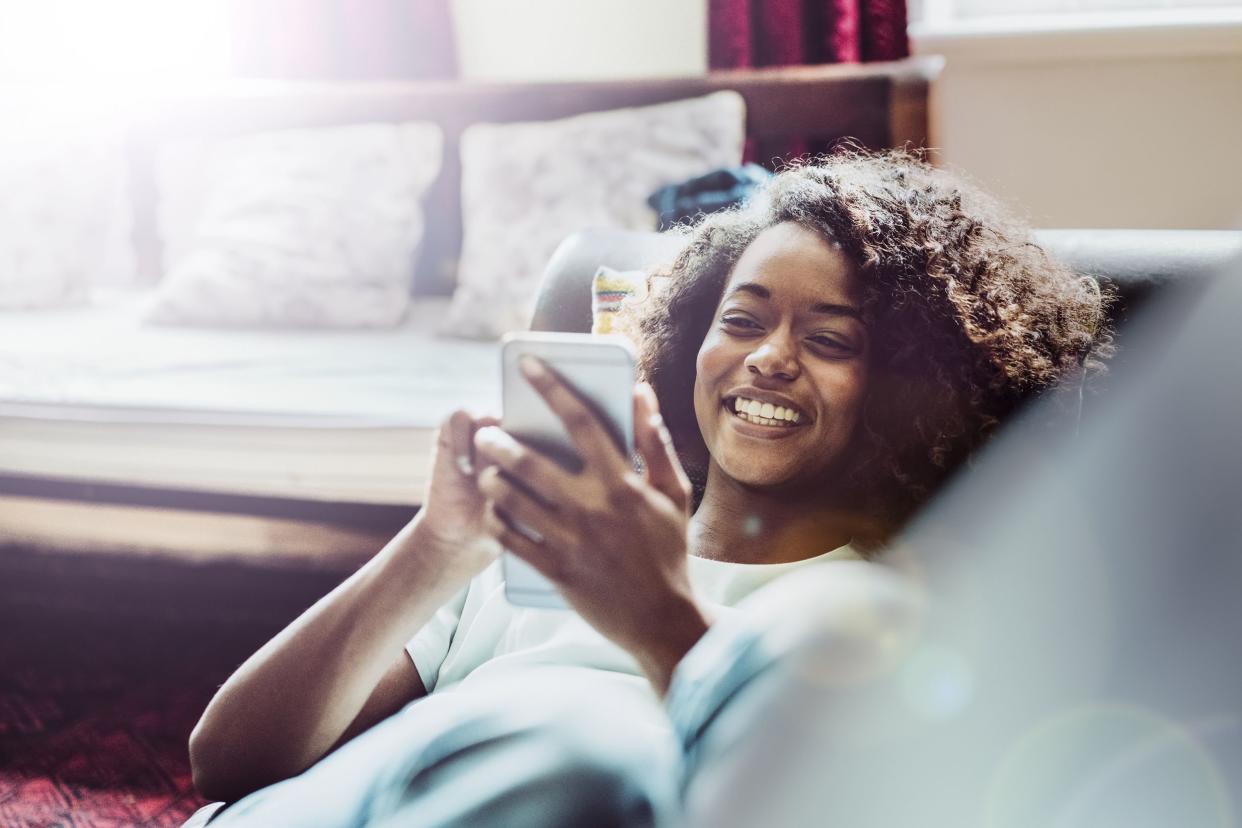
751	708
714	674
535	755
547	750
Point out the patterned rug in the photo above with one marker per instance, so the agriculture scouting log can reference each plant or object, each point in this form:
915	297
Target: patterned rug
105	668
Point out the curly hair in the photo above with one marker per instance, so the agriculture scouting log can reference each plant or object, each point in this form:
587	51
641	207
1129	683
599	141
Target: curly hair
967	315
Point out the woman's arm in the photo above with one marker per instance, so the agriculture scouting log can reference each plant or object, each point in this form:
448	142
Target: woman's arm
293	699
341	666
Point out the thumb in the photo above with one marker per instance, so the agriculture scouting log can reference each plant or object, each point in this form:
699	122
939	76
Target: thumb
457	438
655	445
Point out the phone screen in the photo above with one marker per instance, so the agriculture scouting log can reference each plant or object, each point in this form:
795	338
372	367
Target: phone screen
601	370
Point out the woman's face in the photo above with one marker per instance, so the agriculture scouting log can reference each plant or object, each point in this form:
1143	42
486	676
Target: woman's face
782	373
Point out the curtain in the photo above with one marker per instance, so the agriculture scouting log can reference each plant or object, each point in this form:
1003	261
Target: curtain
342	39
758	33
754	33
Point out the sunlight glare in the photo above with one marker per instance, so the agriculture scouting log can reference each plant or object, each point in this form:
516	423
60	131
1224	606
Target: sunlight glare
121	43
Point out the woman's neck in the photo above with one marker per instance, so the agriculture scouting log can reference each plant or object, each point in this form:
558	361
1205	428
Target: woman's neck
744	525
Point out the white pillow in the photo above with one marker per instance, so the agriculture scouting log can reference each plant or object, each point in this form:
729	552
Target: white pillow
64	219
525	187
300	228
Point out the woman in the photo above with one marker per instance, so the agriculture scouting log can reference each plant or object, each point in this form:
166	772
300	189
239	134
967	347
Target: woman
824	358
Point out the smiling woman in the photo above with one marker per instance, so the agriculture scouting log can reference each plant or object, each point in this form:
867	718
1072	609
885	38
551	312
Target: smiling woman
824	357
897	311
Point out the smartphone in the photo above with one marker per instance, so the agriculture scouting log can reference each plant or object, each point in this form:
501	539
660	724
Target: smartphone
600	369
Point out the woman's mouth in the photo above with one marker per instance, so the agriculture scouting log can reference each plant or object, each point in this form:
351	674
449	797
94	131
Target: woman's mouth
762	413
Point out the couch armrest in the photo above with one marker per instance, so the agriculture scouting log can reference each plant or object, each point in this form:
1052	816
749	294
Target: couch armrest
564	301
1138	263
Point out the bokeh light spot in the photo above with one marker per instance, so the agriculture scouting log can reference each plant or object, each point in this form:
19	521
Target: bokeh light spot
937	682
1108	765
752	525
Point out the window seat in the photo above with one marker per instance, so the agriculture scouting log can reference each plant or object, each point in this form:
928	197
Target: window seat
299	427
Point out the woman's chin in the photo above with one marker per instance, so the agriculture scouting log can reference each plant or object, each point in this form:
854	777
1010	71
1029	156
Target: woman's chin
768	471
758	476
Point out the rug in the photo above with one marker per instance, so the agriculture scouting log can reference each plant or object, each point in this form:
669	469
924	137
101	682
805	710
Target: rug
104	669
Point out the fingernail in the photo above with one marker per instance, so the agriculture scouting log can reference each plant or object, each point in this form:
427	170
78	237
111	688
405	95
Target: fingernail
464	465
531	367
492	439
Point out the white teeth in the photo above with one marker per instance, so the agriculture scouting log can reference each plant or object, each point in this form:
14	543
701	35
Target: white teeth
761	420
764	413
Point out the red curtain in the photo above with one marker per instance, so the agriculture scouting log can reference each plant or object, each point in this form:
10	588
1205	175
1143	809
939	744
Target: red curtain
757	33
753	33
342	39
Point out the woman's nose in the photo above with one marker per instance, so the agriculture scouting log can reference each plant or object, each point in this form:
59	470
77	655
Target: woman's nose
775	357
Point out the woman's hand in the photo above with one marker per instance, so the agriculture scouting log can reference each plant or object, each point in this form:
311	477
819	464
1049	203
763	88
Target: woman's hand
613	539
450	528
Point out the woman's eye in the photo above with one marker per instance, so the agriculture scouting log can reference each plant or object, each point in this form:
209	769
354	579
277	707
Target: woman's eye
830	344
740	323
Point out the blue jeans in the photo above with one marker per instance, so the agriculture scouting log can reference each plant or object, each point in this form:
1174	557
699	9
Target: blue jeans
558	747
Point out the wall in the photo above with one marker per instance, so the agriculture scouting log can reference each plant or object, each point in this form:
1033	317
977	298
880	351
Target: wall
1098	129
1096	126
580	39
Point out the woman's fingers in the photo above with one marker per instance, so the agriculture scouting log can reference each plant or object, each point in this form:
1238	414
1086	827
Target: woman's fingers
458	435
534	552
538	473
655	445
594	442
523	511
459	440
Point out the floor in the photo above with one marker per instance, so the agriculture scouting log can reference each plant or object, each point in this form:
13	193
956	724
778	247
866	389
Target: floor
105	665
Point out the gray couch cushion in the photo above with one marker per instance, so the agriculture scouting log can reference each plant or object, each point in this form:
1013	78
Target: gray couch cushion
1138	263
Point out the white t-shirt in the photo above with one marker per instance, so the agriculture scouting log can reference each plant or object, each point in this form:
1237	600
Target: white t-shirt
479	636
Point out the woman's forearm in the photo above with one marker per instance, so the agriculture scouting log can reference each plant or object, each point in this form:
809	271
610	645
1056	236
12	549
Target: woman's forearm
673	634
290	702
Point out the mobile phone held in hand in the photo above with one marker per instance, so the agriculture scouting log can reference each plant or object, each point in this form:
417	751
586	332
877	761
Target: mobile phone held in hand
600	369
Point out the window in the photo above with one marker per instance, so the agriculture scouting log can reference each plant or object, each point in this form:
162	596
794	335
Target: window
937	14
1018	31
